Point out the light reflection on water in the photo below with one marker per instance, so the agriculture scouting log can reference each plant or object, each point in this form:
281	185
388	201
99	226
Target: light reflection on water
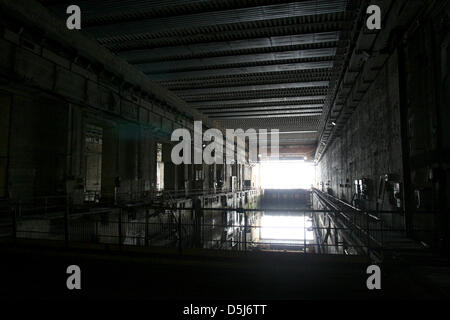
293	228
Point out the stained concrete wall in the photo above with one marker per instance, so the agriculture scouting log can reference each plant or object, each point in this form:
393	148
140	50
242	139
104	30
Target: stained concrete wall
133	118
410	92
47	151
370	145
38	146
427	55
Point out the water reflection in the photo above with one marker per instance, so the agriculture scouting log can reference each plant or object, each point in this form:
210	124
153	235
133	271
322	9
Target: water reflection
279	227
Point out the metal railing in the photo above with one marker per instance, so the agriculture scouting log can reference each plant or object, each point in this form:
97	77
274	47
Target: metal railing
333	231
121	197
381	228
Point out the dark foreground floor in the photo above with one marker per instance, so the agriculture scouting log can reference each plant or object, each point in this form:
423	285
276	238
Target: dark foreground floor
38	271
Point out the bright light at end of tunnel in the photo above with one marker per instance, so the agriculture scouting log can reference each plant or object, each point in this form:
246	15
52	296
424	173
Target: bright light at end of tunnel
275	227
287	174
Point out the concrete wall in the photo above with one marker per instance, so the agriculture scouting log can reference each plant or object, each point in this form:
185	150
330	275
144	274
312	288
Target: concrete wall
53	100
427	85
38	146
408	102
45	144
370	145
77	92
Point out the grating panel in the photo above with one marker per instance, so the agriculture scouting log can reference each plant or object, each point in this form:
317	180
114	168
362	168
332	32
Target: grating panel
247	70
235	59
209	104
305	8
308	107
311	84
214	47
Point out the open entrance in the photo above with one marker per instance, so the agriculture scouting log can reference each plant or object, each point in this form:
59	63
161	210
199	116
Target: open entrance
287	174
287	184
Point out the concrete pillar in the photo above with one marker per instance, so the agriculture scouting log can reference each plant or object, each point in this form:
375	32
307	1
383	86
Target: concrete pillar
109	161
169	168
5	111
128	158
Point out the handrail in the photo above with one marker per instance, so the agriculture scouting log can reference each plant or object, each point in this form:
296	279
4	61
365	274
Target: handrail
182	230
362	227
350	208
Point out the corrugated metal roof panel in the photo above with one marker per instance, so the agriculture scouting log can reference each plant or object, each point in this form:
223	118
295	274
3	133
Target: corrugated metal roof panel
293	9
266	57
202	48
260	116
277	86
245	70
303	108
209	104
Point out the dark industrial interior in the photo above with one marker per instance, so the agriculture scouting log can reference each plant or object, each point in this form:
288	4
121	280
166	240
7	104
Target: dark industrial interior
87	176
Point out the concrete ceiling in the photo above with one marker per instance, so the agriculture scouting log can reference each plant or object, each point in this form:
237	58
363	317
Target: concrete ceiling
267	64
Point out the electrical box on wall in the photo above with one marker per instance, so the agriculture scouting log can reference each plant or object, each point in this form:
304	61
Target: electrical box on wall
362	192
392	186
357	201
362	189
397	195
423	198
365	189
358	190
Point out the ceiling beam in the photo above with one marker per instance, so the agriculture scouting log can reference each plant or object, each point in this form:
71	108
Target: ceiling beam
297	149
204	19
311	107
293	85
238	71
259	116
263	112
98	9
175	65
229	103
298	132
146	55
